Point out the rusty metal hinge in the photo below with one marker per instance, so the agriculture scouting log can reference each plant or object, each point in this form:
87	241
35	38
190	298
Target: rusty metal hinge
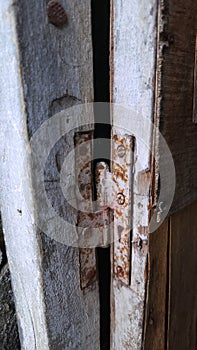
114	190
114	210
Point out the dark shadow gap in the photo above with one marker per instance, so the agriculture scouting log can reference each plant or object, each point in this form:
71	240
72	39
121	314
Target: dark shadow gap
3	257
100	34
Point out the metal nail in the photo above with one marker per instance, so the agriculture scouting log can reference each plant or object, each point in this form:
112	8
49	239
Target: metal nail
120	198
56	13
121	151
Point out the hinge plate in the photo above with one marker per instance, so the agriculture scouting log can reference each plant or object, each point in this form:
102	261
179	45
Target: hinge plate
114	190
83	165
114	207
122	169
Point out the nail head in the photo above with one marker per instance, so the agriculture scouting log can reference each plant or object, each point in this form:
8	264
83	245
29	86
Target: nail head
56	13
121	151
120	198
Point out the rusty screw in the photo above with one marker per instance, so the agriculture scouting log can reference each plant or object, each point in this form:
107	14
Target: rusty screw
121	151
120	198
56	13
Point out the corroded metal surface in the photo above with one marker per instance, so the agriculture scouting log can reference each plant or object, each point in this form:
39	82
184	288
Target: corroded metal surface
122	155
114	191
104	194
87	256
114	204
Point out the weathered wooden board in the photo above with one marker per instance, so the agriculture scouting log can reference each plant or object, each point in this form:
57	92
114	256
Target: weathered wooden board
133	52
159	85
171	300
175	95
195	87
174	108
44	70
157	290
183	285
174	113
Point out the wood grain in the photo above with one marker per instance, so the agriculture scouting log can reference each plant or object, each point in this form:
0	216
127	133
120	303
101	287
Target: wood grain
177	27
157	290
171	301
133	52
174	100
183	285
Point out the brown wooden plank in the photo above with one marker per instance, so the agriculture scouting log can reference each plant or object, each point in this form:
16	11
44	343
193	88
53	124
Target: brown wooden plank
195	87
177	27
155	323
183	290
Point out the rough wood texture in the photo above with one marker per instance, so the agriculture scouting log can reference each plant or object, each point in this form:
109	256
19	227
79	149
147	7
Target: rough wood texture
177	27
155	325
172	288
133	50
183	283
195	87
165	68
174	326
45	69
9	338
19	230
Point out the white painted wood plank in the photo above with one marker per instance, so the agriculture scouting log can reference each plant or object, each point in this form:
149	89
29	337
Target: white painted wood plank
44	69
133	41
22	245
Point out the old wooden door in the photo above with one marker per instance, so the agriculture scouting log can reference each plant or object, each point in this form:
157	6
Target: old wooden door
55	58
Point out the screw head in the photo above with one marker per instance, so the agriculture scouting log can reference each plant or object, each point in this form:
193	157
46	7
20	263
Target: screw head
121	150
56	13
120	198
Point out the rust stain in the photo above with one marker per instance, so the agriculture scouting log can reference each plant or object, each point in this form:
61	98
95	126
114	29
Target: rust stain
87	256
95	220
123	147
143	230
87	267
89	220
144	180
120	172
56	13
119	183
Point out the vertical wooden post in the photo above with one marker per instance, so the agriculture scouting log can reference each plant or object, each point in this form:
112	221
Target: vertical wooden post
133	51
45	68
171	314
